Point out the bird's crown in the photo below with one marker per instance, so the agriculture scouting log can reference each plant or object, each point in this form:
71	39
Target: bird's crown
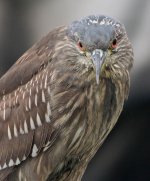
96	31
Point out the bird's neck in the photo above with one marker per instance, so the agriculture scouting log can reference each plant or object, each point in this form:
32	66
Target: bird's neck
103	108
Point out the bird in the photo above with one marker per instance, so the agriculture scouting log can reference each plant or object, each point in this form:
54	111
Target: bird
61	99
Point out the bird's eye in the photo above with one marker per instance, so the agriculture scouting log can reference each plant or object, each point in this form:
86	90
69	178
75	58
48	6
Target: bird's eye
80	45
114	44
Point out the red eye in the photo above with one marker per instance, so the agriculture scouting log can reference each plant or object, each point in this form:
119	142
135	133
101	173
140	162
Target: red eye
114	44
80	45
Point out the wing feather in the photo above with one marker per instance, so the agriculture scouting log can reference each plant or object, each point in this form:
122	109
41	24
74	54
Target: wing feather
26	128
25	131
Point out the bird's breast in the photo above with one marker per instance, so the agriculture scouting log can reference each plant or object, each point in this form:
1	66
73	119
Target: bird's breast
85	113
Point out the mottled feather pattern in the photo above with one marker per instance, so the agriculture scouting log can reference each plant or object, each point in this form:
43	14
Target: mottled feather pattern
22	118
53	114
25	107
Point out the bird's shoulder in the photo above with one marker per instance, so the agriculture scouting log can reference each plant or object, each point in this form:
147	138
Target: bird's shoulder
31	62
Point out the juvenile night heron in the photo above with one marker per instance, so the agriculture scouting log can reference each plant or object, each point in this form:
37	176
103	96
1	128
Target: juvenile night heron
60	100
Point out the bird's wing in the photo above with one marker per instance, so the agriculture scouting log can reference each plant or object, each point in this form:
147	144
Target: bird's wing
25	121
25	111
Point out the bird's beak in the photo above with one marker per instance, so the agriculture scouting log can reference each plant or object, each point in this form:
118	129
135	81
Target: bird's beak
98	57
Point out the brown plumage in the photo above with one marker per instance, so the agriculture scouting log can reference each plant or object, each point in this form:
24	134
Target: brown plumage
60	100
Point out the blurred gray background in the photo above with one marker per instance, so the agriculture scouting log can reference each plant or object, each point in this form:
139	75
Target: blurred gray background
125	156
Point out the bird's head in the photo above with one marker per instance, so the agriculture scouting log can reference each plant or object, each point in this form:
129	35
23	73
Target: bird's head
104	42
